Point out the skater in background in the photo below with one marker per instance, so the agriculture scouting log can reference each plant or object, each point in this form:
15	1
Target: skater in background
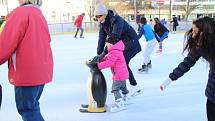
163	22
3	23
175	23
116	61
149	35
2	26
25	41
138	16
200	43
78	24
115	28
161	32
2	19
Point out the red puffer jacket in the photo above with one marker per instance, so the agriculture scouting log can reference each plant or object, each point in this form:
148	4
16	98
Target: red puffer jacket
25	41
78	21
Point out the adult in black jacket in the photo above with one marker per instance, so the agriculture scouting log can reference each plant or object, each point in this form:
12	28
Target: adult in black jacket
200	43
115	28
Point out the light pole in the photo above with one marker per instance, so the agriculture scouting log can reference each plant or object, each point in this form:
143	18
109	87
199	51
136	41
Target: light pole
170	13
5	2
7	6
135	9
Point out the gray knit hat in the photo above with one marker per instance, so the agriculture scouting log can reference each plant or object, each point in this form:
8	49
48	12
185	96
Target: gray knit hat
100	9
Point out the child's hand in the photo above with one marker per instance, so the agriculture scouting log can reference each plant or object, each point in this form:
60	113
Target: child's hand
165	84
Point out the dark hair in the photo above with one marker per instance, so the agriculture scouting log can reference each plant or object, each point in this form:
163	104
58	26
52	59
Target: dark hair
143	20
204	42
156	20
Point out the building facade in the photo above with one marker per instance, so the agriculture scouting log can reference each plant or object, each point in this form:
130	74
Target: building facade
151	9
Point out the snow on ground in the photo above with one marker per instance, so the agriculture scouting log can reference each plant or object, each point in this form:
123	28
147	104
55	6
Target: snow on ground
183	100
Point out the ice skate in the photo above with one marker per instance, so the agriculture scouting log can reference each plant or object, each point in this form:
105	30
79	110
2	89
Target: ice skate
144	68
126	99
134	91
118	106
159	52
149	65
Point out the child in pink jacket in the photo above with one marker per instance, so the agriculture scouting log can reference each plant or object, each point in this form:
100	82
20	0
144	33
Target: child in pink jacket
116	61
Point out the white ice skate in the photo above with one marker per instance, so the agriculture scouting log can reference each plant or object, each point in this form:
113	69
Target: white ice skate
127	100
134	91
159	52
118	106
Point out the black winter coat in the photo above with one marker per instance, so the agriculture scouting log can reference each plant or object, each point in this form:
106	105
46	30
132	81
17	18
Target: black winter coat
116	27
160	29
185	66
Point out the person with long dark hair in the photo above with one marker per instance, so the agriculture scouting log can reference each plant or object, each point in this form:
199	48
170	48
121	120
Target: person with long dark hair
161	33
200	43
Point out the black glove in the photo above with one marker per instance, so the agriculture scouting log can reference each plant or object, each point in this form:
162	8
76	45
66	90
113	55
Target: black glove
99	58
92	64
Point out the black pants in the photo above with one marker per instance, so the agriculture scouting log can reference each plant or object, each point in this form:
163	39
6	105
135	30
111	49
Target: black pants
174	27
210	110
82	30
139	27
128	56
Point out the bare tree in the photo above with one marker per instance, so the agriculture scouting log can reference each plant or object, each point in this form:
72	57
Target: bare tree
90	7
5	2
121	6
189	8
1	2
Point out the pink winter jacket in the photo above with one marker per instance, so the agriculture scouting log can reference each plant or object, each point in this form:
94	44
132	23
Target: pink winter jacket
115	59
25	42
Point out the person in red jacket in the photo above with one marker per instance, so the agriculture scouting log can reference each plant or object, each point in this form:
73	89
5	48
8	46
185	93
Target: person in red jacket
25	42
78	24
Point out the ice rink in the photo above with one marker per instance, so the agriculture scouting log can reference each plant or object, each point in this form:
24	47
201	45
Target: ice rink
183	100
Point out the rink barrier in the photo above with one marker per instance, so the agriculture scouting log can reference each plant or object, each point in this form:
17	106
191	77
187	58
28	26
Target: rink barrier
68	27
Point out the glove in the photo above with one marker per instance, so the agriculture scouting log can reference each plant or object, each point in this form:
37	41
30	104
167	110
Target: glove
99	58
92	64
165	84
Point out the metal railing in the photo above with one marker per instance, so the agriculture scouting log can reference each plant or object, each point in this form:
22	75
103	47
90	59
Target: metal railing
56	28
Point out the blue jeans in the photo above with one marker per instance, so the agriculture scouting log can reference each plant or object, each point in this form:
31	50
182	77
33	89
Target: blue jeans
27	102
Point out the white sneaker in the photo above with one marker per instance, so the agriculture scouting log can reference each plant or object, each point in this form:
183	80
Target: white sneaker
118	105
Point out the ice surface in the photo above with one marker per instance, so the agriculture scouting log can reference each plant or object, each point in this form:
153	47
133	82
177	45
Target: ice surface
183	100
